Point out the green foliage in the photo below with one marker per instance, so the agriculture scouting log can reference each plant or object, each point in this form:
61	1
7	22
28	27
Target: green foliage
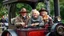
62	8
3	10
19	6
51	7
40	5
62	21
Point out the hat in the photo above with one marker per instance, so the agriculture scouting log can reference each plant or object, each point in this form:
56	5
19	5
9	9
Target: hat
43	9
23	10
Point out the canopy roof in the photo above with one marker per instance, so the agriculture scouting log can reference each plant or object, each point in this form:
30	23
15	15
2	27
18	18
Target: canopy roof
12	1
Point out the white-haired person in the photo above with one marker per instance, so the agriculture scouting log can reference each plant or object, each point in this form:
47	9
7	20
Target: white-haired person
36	19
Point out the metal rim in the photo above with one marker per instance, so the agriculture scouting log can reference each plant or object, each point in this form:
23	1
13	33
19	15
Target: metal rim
8	34
60	29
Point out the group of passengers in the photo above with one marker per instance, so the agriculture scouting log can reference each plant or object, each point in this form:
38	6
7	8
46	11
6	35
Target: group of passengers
37	18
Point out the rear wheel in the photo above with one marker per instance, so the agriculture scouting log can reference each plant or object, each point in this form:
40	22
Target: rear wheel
60	29
57	30
6	33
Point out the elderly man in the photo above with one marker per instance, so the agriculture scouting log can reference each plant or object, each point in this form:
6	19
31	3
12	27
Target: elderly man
35	19
21	21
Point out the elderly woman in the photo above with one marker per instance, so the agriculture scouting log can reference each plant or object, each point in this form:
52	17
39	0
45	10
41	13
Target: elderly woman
35	19
47	19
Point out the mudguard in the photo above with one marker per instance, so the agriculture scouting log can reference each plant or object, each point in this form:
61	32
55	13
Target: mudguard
48	34
12	32
53	30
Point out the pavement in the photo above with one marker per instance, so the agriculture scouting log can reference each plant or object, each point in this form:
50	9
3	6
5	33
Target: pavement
0	34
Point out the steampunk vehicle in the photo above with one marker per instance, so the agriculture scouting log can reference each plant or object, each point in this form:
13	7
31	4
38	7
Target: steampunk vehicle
56	29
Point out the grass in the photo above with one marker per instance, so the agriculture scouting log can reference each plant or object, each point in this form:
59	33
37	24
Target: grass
62	21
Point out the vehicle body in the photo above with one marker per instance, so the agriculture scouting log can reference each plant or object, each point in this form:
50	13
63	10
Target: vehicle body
36	31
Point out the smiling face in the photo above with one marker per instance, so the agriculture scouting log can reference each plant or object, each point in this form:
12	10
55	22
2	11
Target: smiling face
43	13
23	14
35	15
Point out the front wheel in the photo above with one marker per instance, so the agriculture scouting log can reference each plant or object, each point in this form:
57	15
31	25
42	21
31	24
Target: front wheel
9	32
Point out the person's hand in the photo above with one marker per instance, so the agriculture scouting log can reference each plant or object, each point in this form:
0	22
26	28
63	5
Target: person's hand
33	24
26	26
36	24
23	24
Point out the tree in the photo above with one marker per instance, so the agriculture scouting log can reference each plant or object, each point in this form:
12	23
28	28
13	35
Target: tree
62	8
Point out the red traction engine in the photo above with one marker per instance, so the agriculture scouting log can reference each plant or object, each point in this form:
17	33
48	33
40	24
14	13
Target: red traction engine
56	30
25	32
38	31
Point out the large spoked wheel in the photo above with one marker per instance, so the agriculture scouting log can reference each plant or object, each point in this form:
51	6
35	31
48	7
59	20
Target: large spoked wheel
9	32
57	30
6	33
60	29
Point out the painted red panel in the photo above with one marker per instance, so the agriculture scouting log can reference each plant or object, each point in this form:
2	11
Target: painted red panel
19	32
36	33
40	32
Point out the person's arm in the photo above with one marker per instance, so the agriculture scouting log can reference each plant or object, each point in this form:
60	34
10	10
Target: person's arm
29	23
50	21
13	21
41	22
